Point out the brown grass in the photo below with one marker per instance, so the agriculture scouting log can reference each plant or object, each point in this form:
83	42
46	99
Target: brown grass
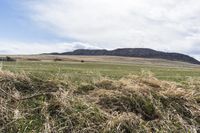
131	104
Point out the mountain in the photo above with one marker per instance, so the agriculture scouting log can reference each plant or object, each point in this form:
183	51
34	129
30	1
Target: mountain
133	52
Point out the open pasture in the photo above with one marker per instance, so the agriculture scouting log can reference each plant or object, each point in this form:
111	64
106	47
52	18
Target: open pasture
106	66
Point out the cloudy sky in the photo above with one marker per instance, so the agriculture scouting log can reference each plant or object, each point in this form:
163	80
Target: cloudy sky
37	26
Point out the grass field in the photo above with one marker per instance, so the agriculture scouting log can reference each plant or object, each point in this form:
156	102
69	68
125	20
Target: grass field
100	95
94	68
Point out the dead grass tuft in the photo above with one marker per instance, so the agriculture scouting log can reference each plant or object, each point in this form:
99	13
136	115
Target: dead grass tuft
131	104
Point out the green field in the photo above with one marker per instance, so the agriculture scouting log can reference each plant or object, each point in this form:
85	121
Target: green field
99	97
83	71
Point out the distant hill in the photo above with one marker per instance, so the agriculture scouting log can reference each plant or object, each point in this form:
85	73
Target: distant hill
133	52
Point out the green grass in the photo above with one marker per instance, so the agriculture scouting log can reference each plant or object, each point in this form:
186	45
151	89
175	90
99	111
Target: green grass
97	97
84	71
132	104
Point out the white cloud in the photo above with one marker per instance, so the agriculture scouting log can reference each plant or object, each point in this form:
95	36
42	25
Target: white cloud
170	25
38	48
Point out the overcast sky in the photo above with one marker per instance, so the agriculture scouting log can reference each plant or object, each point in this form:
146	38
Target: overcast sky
37	26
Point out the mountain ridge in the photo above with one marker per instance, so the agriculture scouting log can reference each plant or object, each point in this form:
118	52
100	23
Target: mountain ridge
133	52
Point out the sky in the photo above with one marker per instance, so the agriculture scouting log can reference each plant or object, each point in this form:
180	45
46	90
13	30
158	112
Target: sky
42	26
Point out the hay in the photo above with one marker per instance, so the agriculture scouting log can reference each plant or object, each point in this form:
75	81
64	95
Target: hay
131	104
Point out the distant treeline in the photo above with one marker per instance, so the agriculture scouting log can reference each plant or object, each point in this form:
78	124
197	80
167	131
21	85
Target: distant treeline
7	58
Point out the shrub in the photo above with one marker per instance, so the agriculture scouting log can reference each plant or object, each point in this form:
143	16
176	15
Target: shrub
58	59
7	58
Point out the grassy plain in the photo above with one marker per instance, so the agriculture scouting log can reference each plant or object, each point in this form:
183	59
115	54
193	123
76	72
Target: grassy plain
112	67
99	95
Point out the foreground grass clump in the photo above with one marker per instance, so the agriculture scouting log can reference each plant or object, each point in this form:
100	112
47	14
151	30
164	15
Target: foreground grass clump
131	104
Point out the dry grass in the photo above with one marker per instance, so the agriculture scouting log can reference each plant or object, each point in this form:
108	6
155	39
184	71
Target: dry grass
108	59
131	104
